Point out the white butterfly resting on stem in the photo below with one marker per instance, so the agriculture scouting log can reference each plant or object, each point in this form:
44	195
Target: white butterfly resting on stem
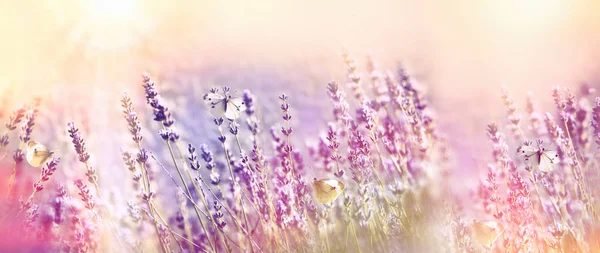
538	157
221	103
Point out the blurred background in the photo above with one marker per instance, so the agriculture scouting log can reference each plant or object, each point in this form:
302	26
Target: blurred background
82	54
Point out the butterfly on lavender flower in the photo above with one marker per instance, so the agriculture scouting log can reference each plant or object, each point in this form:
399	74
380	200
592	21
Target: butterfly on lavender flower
37	154
224	104
486	232
538	157
327	190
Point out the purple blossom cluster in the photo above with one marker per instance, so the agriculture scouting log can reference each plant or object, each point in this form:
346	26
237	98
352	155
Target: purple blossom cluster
541	194
78	143
160	110
378	177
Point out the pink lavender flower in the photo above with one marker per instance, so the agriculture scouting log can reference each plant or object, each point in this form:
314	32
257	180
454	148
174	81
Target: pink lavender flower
15	119
47	172
340	105
132	120
85	194
514	119
596	120
31	216
27	127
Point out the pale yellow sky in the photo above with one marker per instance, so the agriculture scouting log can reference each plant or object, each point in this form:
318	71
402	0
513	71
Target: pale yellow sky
463	43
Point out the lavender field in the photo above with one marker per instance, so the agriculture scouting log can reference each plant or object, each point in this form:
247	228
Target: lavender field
268	126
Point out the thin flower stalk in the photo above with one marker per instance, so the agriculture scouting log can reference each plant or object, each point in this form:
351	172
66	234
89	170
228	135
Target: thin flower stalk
147	194
239	201
210	217
234	130
162	114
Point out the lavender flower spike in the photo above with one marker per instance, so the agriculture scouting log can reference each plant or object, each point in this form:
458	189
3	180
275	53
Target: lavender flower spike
160	110
78	143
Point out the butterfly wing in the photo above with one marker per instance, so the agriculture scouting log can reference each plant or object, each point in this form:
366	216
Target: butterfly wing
327	190
212	97
525	150
323	192
486	232
530	155
548	160
37	155
335	183
216	104
235	107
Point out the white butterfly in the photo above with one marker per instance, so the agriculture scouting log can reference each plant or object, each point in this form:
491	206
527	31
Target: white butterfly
327	190
38	154
486	232
538	157
223	104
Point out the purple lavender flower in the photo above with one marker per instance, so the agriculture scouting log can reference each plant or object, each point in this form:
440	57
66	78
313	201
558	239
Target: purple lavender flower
218	215
596	120
249	102
86	195
129	161
160	110
353	77
132	120
4	140
47	172
218	121
163	234
193	158
142	156
31	216
234	127
18	156
78	143
513	118
169	135
27	127
59	204
207	156
365	115
340	105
